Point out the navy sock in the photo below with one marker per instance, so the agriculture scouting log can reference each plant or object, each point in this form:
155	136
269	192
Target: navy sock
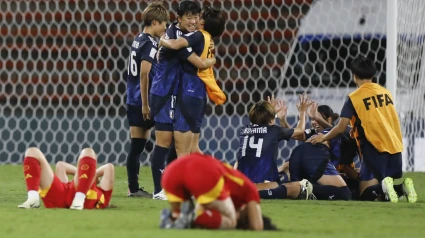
371	193
399	190
172	154
275	193
327	192
133	163
157	166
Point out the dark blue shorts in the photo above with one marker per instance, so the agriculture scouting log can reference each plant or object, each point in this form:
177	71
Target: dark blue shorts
135	117
162	111
379	165
310	162
189	114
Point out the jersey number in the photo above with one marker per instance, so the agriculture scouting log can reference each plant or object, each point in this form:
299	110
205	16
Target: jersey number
132	66
258	146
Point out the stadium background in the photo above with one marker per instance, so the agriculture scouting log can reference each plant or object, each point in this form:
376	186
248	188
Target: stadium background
64	64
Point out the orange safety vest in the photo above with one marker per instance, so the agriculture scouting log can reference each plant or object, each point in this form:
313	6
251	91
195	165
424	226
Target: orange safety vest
377	117
207	75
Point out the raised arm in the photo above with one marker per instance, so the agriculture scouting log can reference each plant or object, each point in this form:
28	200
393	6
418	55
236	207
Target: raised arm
302	106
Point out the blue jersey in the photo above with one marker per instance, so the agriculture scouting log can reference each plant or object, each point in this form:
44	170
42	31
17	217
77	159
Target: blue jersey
334	145
168	70
144	47
191	84
258	151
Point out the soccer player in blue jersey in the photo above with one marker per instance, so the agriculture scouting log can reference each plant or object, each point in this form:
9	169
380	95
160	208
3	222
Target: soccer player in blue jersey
165	87
141	70
259	141
195	84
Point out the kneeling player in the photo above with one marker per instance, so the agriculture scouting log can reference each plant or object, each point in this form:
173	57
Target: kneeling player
57	192
220	192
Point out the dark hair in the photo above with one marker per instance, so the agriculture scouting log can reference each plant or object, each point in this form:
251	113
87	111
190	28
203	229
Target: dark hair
155	11
327	112
363	68
215	21
261	113
188	7
243	224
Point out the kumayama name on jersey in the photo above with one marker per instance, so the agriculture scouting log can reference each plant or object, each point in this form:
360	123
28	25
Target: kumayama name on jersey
255	130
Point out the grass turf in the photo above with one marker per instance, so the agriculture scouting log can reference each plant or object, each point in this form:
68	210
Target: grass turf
138	217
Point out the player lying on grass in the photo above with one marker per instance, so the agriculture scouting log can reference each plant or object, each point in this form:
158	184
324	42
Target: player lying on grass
211	24
57	192
223	195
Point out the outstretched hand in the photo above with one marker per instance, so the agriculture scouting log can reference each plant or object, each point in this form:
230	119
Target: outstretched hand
304	102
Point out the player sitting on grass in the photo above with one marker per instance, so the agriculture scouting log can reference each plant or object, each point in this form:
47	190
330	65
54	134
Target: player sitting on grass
57	192
223	195
259	143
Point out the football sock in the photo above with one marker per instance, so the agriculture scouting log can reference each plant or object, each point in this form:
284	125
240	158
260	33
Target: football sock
371	193
275	193
327	192
133	163
172	154
157	166
210	219
86	174
32	172
399	190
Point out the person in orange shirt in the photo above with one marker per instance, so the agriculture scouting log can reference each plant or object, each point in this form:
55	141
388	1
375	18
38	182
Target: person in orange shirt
57	192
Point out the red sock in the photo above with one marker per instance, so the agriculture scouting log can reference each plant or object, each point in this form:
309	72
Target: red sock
210	219
86	174
32	172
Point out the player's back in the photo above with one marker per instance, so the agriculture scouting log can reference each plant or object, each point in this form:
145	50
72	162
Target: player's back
168	68
144	47
258	151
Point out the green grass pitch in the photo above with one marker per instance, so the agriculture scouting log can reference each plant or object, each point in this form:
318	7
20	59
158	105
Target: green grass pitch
137	217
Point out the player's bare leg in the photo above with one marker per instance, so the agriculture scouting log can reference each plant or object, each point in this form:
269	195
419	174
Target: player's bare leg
162	144
195	144
63	169
139	137
107	172
181	141
85	177
38	175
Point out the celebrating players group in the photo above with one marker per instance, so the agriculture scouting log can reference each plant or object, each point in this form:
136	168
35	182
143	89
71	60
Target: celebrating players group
168	81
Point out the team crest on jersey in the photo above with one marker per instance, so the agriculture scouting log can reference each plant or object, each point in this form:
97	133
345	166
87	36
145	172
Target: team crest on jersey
135	44
26	167
85	167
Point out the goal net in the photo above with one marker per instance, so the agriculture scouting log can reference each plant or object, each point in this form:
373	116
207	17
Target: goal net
64	64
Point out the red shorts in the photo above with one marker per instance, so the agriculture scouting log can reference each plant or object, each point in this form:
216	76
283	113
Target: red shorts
197	175
60	195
